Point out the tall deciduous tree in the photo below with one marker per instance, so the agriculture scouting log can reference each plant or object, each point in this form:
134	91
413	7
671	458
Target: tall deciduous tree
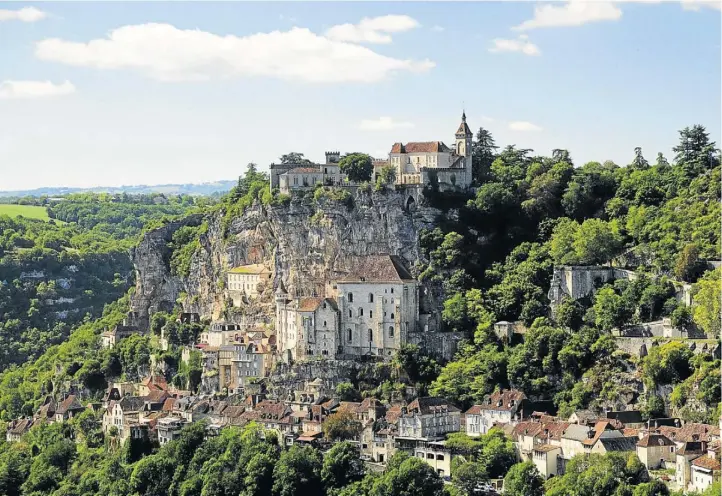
523	480
358	167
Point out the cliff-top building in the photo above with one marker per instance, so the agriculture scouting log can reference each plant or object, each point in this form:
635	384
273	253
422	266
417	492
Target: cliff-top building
417	163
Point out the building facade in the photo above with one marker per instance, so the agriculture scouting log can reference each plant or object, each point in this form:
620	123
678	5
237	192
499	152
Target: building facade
375	306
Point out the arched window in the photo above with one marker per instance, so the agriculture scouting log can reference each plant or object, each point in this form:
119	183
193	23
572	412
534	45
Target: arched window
371	314
392	316
324	323
349	313
371	336
350	297
348	335
453	178
391	331
371	297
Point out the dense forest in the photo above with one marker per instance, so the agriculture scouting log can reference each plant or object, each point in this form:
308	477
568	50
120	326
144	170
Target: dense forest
57	274
491	256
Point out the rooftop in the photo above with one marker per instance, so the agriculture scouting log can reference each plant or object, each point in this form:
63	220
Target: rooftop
420	147
376	268
249	269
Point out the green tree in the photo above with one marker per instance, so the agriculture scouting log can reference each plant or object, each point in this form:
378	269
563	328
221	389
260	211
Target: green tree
298	472
688	266
410	477
483	152
341	466
347	392
523	479
468	476
341	425
294	158
706	309
358	167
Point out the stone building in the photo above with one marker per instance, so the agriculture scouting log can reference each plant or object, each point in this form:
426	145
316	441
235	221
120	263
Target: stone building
499	407
244	280
376	305
306	327
428	419
418	163
655	451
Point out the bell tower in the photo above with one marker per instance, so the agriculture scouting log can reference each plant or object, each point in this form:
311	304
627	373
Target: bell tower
463	146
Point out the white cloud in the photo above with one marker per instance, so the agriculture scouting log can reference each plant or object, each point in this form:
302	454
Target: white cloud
10	90
519	45
26	14
571	13
437	29
372	29
383	124
166	53
524	126
486	118
698	4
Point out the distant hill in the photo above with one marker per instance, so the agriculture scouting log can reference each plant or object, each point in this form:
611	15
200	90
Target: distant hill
188	189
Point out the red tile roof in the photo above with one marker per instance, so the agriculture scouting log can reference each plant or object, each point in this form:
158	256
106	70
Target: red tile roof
69	404
420	147
706	462
309	304
506	400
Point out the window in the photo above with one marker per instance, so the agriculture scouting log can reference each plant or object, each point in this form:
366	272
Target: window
371	336
371	314
392	316
371	297
440	457
350	297
392	290
349	313
324	323
348	335
361	312
391	331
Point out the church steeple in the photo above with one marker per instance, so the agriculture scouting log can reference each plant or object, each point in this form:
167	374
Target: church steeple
463	131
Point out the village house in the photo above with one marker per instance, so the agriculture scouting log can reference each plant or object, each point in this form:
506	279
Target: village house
683	464
427	419
169	428
704	471
120	413
250	362
68	408
499	407
656	451
436	454
546	458
17	428
243	281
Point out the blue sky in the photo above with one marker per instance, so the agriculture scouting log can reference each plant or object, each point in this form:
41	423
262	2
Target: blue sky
148	93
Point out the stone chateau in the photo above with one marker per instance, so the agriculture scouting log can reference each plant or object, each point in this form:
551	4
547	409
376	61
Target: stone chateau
416	164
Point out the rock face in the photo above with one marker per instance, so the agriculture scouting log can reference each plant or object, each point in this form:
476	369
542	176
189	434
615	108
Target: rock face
303	242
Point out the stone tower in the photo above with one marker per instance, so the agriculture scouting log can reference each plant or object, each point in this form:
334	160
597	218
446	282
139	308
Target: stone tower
463	146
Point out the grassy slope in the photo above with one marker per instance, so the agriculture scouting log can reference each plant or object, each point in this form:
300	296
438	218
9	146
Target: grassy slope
27	211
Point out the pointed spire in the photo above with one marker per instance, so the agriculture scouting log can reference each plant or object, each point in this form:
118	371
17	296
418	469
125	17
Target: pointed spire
463	131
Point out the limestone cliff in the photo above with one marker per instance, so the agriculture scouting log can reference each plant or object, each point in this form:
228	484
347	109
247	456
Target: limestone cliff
304	242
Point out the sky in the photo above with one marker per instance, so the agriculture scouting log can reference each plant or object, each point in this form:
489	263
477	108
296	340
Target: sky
110	94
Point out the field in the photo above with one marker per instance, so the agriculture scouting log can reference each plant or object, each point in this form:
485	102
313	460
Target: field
28	211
